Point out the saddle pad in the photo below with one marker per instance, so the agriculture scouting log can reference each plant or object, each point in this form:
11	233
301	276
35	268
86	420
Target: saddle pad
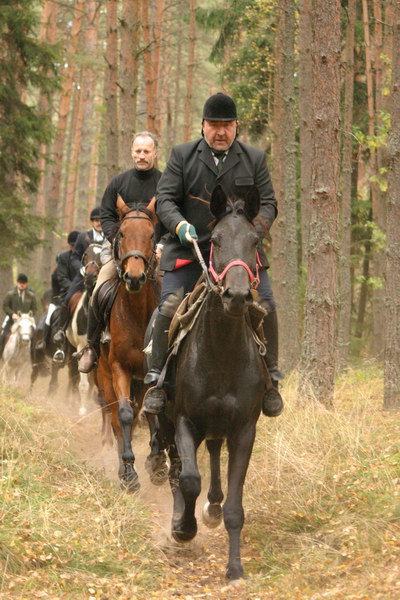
186	314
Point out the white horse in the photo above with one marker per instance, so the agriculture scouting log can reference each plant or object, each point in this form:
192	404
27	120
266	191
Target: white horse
17	349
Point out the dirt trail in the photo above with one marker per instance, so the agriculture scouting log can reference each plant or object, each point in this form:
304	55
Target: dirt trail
196	569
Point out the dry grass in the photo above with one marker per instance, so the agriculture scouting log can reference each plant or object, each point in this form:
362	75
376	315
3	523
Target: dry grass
323	496
321	500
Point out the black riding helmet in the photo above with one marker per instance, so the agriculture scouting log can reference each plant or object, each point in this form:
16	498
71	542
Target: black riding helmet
22	278
72	237
219	107
95	214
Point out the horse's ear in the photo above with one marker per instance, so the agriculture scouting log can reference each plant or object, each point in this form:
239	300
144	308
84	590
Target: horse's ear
122	208
218	202
252	203
152	208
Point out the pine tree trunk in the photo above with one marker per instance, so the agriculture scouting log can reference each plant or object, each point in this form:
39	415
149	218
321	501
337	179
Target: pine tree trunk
128	80
319	344
187	114
305	88
346	180
284	264
392	292
72	173
148	42
111	90
89	80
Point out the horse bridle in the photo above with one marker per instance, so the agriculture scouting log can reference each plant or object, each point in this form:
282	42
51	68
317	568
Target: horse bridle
90	262
218	278
119	260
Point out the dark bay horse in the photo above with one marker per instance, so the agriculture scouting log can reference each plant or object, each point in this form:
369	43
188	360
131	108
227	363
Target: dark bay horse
216	382
121	365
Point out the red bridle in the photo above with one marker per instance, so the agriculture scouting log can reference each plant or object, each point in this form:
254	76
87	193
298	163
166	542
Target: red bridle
254	279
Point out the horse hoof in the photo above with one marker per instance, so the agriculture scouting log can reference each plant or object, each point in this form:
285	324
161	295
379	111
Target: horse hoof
183	535
157	468
236	582
212	515
130	485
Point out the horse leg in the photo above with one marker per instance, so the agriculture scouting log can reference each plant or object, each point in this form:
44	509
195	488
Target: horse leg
156	461
53	384
184	525
212	511
240	447
122	387
84	387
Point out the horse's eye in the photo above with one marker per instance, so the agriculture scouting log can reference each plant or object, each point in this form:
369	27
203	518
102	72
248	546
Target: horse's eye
121	235
215	241
240	211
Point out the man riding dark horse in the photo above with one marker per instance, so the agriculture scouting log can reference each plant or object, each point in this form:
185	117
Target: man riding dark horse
84	239
183	199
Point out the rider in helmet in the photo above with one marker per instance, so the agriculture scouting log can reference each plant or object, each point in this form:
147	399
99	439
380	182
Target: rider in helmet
20	299
183	194
61	280
84	239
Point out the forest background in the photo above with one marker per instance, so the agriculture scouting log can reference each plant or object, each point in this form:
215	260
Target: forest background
317	87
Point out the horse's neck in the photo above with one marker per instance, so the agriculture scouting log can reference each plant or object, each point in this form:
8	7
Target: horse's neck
143	302
215	324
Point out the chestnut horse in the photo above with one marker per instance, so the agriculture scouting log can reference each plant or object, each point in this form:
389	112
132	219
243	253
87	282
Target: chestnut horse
121	365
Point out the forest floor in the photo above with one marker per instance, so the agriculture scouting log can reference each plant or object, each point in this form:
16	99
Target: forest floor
322	506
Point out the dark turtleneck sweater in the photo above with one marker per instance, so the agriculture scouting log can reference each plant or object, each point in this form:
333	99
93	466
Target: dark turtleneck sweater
134	187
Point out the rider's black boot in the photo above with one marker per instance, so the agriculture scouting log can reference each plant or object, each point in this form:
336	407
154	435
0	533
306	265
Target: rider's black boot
155	397
59	336
272	403
87	358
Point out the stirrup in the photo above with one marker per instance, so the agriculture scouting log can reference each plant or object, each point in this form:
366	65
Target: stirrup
59	356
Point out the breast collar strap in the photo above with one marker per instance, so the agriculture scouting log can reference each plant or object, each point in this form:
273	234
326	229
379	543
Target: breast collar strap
254	279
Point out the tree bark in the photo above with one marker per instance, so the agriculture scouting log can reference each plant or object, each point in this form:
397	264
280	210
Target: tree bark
305	106
285	248
392	292
128	79
319	344
188	113
346	181
111	90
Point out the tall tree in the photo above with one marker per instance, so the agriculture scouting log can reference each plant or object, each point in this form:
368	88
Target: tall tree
305	108
128	79
284	264
319	351
346	185
392	349
187	118
27	70
111	90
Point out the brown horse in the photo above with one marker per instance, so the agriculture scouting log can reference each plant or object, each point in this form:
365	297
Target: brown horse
121	364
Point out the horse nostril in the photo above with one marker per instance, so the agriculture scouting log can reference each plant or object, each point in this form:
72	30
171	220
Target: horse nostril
227	295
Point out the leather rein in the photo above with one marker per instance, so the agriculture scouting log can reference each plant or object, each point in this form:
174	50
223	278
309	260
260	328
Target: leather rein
119	260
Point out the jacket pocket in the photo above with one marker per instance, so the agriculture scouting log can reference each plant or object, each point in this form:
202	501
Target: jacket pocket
244	181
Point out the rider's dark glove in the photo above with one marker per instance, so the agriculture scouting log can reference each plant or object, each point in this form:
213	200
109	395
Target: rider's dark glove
186	233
